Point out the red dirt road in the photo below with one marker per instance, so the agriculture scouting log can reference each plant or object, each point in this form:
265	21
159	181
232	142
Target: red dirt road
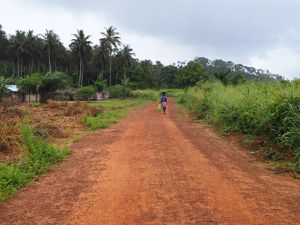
155	169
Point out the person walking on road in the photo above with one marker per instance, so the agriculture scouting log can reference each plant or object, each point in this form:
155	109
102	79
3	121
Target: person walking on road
163	102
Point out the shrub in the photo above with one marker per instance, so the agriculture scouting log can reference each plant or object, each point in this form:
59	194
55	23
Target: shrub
86	93
45	131
119	91
148	94
40	155
271	110
50	83
154	95
100	85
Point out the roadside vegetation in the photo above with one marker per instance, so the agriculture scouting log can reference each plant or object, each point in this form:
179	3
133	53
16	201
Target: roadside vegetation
237	98
33	137
38	157
115	110
154	94
266	113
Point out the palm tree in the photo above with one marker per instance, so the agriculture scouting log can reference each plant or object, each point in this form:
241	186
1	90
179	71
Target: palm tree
30	50
126	57
110	40
3	44
81	46
3	83
51	41
17	45
102	55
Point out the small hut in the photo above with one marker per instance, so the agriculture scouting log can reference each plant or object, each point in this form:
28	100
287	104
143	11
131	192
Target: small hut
101	96
12	94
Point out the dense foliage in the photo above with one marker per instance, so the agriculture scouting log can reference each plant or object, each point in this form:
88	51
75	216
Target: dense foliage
86	93
25	53
270	111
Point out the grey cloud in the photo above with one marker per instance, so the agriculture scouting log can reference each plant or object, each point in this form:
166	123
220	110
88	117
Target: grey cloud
244	26
232	28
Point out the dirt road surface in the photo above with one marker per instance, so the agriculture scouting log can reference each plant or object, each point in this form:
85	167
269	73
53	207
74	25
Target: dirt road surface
157	169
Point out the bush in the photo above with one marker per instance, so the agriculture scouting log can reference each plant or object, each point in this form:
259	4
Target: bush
270	110
86	93
154	95
39	157
119	91
50	83
148	94
100	85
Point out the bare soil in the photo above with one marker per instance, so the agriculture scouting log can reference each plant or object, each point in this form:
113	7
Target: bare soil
157	169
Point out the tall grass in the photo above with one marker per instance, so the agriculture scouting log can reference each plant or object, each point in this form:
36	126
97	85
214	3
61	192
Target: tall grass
38	158
269	110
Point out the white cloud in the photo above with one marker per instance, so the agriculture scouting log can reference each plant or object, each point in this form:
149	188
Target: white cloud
281	60
247	32
30	17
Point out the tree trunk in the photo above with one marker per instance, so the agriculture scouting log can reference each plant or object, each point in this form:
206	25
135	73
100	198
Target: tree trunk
43	98
21	67
124	73
82	69
38	67
117	76
18	67
79	81
14	68
32	66
49	58
110	69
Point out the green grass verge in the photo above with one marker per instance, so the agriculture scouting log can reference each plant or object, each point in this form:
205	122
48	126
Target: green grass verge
118	103
105	119
39	158
113	112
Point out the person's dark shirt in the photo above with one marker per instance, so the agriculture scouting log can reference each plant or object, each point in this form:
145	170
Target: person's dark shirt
163	99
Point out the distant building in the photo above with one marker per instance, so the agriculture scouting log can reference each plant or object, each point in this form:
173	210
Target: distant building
104	95
14	95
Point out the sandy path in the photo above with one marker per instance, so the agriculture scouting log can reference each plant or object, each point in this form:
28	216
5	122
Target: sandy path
154	169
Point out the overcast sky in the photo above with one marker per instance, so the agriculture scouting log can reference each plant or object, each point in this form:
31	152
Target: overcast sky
260	33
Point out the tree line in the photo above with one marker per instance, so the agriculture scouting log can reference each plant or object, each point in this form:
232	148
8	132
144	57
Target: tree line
25	53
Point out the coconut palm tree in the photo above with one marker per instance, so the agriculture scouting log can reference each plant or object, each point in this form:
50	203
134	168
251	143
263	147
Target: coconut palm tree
17	45
102	55
3	44
81	46
30	50
110	41
51	42
126	57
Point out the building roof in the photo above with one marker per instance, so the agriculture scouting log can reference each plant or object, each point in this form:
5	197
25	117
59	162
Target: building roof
12	88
